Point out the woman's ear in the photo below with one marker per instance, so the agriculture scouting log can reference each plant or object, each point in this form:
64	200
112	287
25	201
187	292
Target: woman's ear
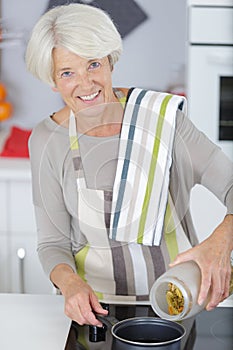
54	88
110	62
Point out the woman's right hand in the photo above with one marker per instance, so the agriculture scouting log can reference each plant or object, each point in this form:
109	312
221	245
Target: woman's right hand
81	303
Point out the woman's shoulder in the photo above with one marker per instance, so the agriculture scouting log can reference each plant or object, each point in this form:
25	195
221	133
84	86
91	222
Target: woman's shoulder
52	123
47	133
41	129
61	117
124	90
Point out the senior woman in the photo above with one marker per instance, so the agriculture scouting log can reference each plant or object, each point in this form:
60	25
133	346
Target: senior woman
112	173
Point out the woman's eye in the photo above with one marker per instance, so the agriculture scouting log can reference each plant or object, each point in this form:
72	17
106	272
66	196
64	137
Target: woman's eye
94	65
67	74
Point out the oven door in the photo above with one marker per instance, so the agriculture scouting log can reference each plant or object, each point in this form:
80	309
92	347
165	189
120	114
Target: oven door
210	91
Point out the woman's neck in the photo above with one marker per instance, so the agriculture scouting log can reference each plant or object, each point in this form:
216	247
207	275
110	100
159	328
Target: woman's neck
104	120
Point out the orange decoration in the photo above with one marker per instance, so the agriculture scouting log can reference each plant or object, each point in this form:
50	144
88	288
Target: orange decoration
6	110
3	92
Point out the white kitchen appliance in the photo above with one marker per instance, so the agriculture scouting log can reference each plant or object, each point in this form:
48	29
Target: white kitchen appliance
210	92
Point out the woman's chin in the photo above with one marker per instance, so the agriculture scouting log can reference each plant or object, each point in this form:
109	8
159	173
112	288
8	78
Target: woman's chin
92	111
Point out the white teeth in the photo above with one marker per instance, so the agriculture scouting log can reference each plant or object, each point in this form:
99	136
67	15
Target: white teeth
89	97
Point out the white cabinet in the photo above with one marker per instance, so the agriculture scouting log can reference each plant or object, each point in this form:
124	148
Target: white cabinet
209	93
4	242
26	274
21	208
4	270
19	273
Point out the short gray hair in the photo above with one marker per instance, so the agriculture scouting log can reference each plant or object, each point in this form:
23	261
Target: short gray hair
82	29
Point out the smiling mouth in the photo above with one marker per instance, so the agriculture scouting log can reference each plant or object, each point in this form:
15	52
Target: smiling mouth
89	97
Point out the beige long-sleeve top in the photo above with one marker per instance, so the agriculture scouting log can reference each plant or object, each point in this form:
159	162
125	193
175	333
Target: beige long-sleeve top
196	160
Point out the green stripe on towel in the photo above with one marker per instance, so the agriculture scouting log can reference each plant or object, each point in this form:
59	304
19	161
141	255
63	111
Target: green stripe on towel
170	234
73	142
80	259
152	169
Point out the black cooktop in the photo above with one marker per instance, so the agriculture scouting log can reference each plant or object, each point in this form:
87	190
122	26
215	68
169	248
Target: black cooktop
212	330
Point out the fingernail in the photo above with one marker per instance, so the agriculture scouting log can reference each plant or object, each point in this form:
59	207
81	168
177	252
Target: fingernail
209	308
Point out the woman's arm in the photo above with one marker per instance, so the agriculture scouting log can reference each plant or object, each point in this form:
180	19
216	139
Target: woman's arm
52	218
80	300
210	167
213	257
48	152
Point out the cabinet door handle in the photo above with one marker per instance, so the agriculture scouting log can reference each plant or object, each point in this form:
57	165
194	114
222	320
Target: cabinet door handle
21	255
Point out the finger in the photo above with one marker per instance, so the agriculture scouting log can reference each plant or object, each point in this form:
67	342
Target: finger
91	319
221	283
204	287
226	287
81	311
96	306
217	291
182	257
88	313
84	315
77	316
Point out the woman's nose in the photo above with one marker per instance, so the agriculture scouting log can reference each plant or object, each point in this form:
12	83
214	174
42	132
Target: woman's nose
84	79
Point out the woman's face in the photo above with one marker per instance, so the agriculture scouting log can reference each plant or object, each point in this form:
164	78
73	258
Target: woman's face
82	83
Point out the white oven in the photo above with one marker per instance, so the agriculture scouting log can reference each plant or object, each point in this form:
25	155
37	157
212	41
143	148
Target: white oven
210	92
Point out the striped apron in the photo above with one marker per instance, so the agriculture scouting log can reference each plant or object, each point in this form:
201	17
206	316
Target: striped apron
119	271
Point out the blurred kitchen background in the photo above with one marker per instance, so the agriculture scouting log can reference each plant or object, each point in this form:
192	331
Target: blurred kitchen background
153	57
181	46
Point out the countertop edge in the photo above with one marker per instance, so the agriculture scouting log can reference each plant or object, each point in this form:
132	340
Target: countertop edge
15	169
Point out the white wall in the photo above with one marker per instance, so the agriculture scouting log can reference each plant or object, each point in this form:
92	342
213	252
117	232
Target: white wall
152	53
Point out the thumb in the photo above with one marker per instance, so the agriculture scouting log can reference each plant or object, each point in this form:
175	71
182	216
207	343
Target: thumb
180	258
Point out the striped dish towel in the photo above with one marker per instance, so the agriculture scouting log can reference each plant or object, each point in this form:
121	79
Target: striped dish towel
140	191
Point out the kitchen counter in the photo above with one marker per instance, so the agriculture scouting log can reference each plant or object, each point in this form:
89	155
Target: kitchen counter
32	322
37	322
15	169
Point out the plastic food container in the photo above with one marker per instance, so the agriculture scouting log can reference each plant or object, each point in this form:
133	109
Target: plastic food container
187	278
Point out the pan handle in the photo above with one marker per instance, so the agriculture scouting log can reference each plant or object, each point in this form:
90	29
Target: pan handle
108	320
97	334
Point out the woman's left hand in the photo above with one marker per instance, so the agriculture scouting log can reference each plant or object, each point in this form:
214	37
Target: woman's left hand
213	257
